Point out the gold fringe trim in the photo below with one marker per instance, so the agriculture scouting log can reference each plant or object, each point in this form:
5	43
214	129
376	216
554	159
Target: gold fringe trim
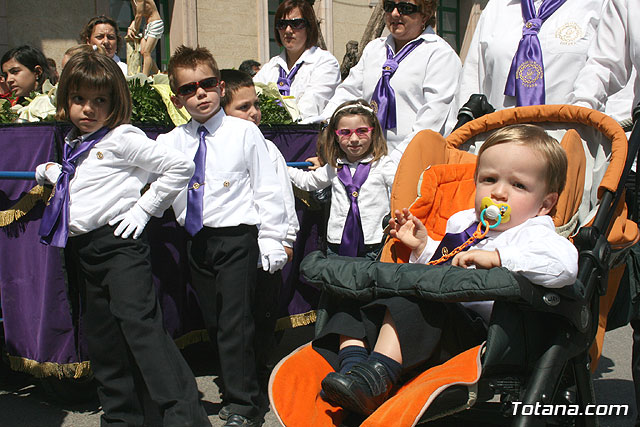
192	337
295	320
50	369
24	205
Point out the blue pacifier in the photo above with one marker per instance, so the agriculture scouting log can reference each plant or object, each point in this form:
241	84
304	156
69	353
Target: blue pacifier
498	212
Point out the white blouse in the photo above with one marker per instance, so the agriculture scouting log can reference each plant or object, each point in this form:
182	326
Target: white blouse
314	82
373	198
424	84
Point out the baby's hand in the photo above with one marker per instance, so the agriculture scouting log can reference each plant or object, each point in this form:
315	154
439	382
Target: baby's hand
409	230
478	258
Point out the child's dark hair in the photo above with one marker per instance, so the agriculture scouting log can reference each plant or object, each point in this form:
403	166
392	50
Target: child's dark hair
234	80
94	70
188	57
30	57
329	148
306	10
85	34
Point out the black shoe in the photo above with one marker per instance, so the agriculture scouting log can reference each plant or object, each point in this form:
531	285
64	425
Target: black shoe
224	412
362	389
236	420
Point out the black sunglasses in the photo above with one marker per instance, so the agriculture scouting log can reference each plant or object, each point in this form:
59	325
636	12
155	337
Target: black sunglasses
404	8
191	88
296	24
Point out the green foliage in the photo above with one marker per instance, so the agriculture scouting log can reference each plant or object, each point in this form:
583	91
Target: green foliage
6	114
272	112
148	106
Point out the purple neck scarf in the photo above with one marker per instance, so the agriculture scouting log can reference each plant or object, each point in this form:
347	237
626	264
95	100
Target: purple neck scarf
284	82
352	236
195	193
526	76
384	97
451	241
54	227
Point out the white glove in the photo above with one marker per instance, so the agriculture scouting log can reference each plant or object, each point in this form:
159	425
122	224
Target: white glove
274	260
48	173
132	221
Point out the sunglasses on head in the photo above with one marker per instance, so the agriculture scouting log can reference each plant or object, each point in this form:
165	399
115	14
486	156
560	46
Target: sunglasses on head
296	24
404	8
191	88
345	133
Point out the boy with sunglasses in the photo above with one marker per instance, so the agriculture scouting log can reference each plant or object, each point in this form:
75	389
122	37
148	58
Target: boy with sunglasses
233	190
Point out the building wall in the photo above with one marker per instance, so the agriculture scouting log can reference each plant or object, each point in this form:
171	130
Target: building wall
350	19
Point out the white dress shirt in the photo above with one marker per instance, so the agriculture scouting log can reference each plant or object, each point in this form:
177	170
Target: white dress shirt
313	84
280	165
122	65
109	177
373	197
424	84
613	55
241	186
533	249
564	37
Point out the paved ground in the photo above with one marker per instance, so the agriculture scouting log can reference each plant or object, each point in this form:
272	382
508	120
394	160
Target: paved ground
23	402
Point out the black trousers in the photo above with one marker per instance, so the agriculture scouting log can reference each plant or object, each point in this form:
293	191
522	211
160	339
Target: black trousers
223	273
128	346
430	333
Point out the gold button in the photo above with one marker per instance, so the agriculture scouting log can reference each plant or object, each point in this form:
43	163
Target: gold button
528	25
445	251
354	194
281	83
226	183
196	186
99	155
387	68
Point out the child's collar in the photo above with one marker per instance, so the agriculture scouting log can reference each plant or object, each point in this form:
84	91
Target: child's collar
344	161
211	124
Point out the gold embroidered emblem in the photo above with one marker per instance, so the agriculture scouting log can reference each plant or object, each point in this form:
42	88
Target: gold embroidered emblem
226	183
569	33
196	186
354	194
374	106
529	72
99	155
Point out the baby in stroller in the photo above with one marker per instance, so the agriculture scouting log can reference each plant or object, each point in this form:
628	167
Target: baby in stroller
519	174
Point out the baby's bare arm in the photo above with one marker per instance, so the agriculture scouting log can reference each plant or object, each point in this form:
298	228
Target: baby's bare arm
477	257
409	230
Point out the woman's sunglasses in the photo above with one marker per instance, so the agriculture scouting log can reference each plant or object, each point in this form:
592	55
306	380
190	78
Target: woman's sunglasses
345	133
296	24
404	8
191	88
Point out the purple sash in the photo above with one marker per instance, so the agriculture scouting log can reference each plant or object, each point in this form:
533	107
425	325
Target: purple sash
352	241
384	97
526	76
54	227
451	241
195	193
284	82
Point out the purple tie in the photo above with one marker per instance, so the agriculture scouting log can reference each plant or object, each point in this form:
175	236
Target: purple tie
451	241
384	97
54	227
284	81
526	76
195	194
352	236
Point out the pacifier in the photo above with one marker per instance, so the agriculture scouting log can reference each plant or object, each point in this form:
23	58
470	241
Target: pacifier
498	212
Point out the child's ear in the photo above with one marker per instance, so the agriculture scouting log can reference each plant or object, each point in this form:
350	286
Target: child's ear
176	102
548	203
222	89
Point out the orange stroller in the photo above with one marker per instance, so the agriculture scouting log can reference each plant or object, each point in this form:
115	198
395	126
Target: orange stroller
522	360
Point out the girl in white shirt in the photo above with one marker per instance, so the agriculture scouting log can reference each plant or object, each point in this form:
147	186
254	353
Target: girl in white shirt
96	208
360	175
